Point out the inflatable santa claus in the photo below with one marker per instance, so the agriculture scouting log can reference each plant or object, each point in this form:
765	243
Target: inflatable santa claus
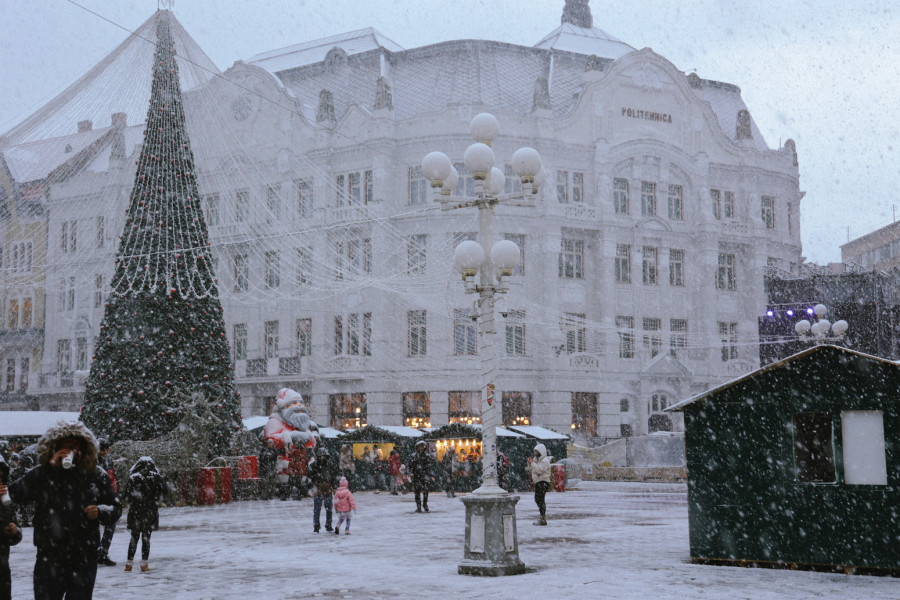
289	424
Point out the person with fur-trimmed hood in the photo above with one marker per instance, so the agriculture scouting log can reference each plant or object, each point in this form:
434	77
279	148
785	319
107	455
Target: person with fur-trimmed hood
143	490
422	467
72	498
539	467
10	535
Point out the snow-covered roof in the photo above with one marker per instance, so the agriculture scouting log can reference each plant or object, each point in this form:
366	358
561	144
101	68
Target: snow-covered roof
314	51
501	431
256	422
781	364
536	431
401	430
36	160
32	422
330	433
582	40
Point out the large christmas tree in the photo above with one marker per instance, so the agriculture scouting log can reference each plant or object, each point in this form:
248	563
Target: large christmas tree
163	335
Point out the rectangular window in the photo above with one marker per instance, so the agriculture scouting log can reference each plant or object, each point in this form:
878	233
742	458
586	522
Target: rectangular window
418	186
10	374
625	325
623	263
271	341
98	291
354	189
562	187
353	258
725	276
415	254
81	354
63	356
676	268
519	240
512	183
577	187
212	209
70	294
304	337
649	265
728	204
516	408
676	202
368	187
241	206
571	259
241	273
648	199
304	197
68	236
416	339
465	185
573	326
620	196
27	312
273	203
865	460
464	407
716	197
353	334
20	258
515	333
584	414
464	333
416	409
240	341
341	193
652	339
23	375
814	447
304	266
101	231
12	318
678	336
338	334
768	211
273	270
728	335
348	411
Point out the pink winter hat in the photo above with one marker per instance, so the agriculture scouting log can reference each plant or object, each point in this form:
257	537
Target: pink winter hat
344	482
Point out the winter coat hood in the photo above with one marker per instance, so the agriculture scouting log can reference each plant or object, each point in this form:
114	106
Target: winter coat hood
4	470
144	466
49	443
542	450
344	483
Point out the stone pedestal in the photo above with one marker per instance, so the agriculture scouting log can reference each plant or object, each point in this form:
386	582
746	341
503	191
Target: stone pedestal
492	545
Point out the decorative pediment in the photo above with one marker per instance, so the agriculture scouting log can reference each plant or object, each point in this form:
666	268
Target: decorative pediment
666	365
653	224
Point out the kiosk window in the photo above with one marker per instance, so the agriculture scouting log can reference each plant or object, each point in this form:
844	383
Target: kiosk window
862	433
814	447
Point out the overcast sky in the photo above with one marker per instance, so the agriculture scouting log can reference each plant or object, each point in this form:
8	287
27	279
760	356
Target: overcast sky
825	73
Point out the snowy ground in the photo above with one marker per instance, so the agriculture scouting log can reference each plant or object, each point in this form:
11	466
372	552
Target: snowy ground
605	540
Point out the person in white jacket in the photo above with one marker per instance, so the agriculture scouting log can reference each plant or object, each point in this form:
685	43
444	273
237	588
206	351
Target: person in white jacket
539	466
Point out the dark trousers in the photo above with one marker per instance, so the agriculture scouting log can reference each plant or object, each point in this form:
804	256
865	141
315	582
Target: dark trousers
108	532
53	581
145	544
540	490
421	490
318	501
5	579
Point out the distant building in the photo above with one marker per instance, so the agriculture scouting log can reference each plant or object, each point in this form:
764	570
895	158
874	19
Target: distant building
879	249
643	261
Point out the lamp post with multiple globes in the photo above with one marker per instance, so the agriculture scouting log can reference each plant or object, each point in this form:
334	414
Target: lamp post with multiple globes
491	543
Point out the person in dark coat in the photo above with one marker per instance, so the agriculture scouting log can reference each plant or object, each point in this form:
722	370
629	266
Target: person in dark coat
72	498
267	458
421	467
143	490
323	473
10	535
105	462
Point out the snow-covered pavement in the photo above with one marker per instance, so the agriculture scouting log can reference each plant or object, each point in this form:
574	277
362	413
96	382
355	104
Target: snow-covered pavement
605	540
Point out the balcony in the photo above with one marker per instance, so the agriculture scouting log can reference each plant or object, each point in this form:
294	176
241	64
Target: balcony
289	365
351	213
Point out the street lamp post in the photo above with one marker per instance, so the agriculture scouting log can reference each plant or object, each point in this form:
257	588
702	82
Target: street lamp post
491	543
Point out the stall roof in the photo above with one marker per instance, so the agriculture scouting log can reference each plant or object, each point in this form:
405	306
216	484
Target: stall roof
541	433
252	423
330	433
501	431
22	423
401	430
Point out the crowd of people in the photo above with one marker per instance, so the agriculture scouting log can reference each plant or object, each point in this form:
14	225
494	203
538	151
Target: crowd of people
73	498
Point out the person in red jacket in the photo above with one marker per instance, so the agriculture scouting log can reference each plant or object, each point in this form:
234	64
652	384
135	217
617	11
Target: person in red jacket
394	474
343	504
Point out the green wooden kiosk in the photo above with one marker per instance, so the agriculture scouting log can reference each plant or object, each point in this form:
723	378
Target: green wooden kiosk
797	465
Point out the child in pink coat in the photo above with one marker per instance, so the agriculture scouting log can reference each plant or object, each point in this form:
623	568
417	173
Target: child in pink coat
343	504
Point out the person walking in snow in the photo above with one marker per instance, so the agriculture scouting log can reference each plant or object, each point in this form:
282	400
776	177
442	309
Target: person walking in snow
539	467
323	474
450	463
10	535
143	490
72	498
343	504
105	462
348	467
268	456
396	478
422	468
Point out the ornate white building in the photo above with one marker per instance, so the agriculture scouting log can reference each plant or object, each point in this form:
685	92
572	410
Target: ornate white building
643	261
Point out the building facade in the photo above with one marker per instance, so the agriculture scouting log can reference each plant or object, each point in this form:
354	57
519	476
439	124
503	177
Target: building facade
660	210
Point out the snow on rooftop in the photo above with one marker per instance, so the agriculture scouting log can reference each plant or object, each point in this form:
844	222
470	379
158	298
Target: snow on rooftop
582	40
401	430
306	53
541	433
32	422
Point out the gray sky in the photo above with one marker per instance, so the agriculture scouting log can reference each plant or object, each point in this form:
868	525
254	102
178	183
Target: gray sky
822	72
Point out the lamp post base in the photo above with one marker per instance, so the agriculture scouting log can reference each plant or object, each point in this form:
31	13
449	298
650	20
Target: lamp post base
492	546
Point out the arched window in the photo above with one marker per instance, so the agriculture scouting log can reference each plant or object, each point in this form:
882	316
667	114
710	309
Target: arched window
658	420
